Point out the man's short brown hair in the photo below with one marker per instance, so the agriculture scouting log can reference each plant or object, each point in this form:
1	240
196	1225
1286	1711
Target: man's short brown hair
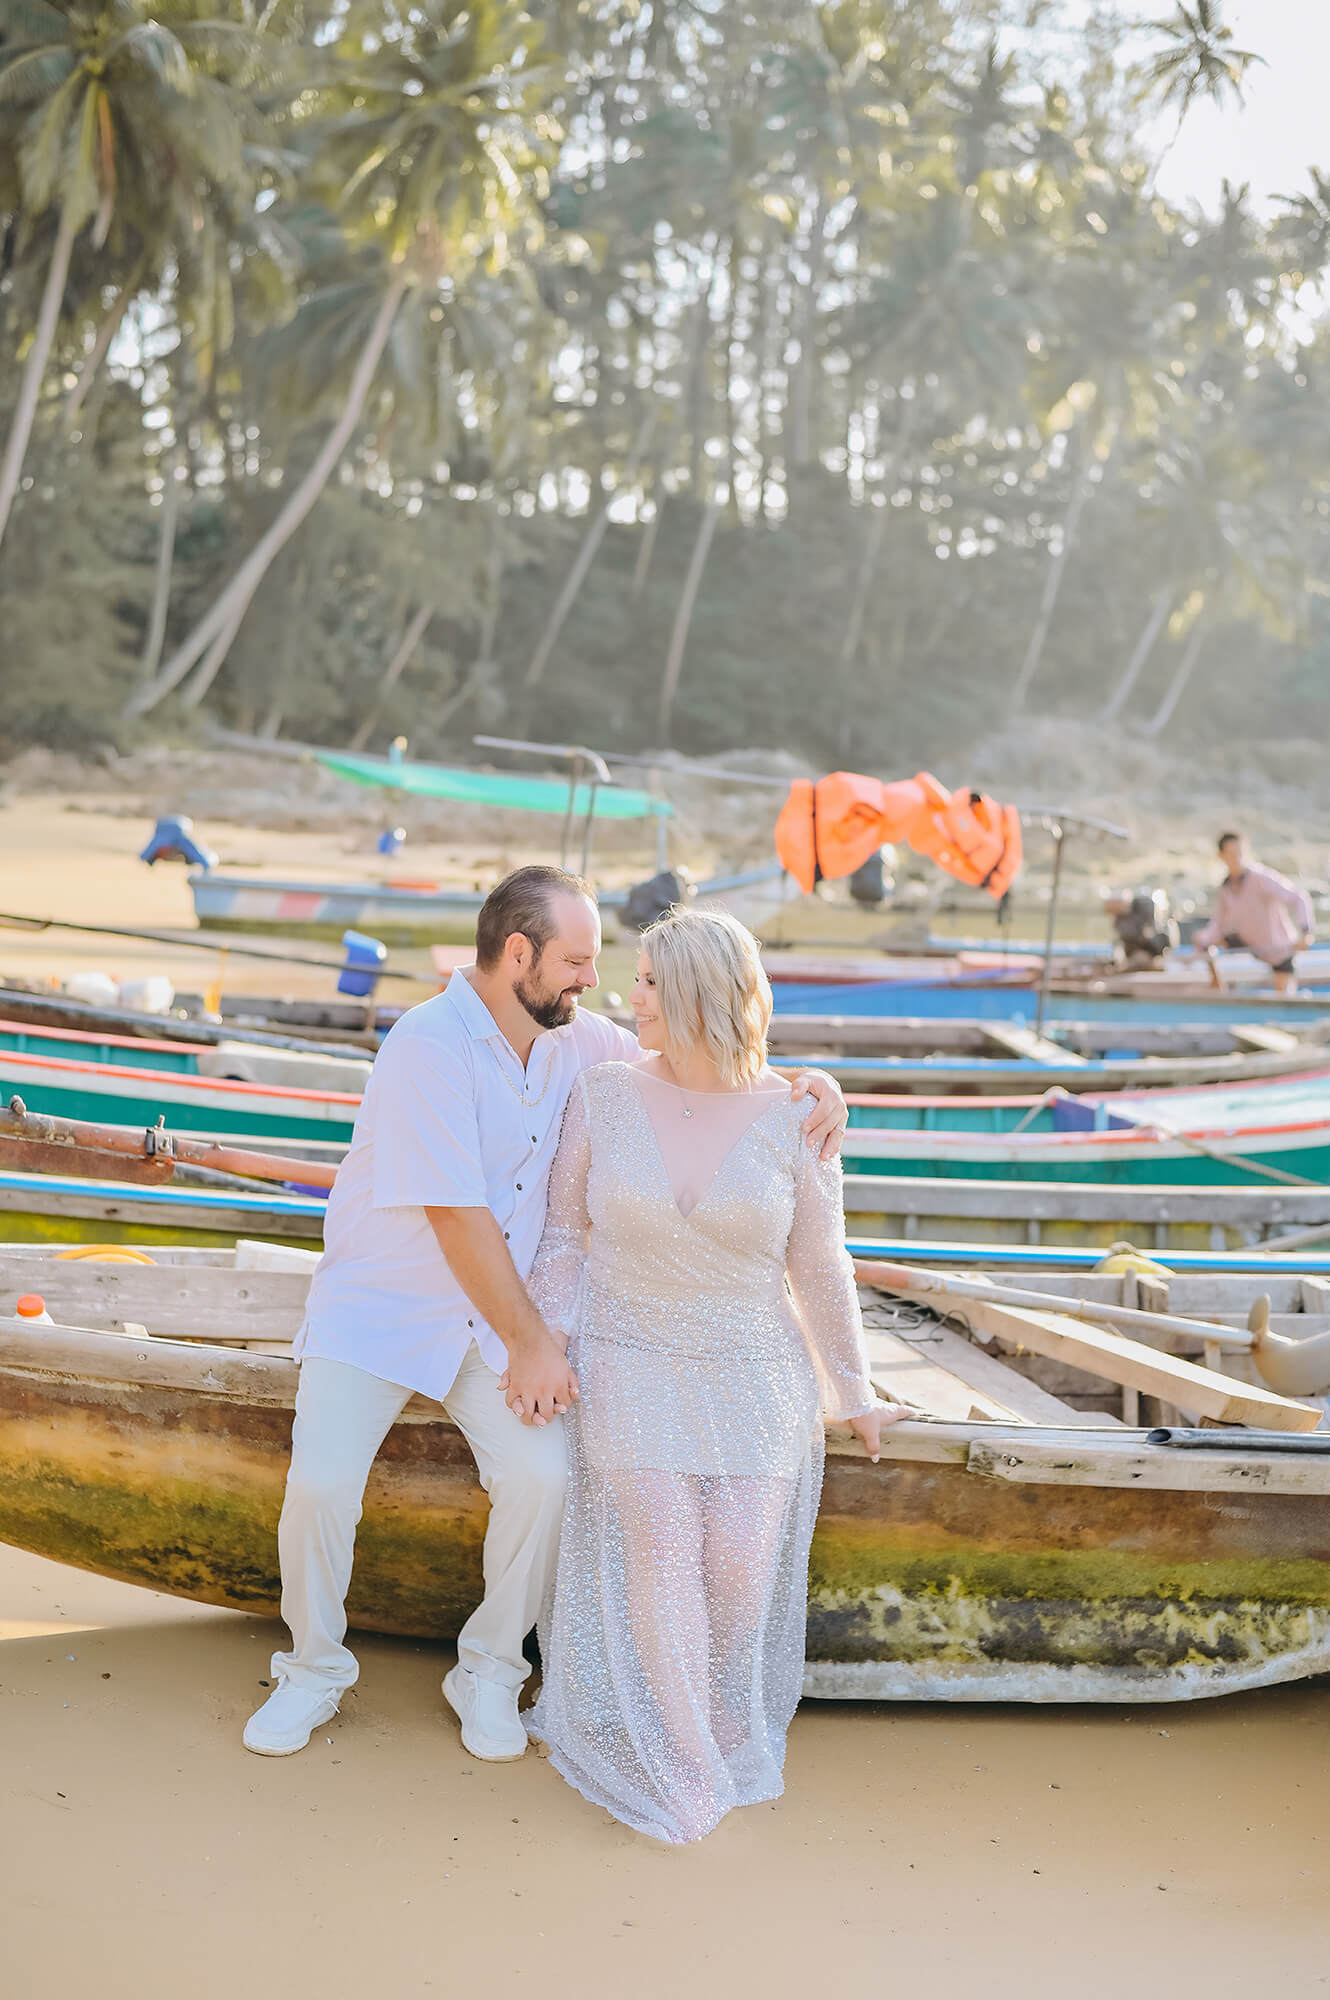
524	903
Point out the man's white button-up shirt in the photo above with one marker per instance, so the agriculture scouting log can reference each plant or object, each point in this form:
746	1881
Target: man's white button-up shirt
448	1120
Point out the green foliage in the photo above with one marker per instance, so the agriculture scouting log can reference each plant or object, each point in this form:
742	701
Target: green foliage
899	292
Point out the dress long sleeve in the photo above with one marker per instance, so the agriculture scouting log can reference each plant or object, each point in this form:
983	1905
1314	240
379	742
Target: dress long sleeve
558	1275
821	1279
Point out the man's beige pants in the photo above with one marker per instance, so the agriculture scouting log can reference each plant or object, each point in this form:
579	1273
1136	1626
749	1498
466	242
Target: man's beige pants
343	1414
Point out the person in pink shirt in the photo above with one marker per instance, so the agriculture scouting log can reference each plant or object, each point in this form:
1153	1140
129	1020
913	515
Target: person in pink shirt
1258	911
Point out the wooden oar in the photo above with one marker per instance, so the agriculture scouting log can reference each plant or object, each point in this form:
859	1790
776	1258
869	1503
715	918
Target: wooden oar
155	1143
909	1277
1057	1329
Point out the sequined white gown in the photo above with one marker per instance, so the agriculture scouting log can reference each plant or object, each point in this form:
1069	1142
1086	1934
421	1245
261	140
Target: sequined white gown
673	1647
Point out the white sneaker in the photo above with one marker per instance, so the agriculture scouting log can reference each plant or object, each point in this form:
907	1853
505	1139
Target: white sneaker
289	1718
491	1726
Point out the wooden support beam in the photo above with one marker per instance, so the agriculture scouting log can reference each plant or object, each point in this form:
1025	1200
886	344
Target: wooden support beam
1111	1356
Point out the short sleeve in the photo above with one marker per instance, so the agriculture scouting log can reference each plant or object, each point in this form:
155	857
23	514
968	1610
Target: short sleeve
426	1134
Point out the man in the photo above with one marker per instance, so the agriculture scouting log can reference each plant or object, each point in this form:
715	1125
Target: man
432	1227
1258	911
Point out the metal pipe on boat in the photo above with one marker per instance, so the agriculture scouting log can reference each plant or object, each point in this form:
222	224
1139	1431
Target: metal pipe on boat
908	1278
1059	834
154	1142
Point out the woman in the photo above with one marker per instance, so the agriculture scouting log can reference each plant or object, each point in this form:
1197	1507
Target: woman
682	1199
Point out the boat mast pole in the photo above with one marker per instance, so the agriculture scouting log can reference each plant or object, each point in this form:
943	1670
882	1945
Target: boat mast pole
1059	833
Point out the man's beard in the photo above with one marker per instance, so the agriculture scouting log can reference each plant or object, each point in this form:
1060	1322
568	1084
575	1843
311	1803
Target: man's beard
547	1010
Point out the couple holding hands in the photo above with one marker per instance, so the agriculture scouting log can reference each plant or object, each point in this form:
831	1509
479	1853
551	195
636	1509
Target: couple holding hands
619	1264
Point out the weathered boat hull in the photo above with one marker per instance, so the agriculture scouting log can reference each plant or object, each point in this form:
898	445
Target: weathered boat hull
112	1094
52	1208
164	1466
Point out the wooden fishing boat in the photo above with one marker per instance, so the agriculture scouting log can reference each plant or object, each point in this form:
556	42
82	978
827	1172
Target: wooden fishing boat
1204	1156
1029	1551
64	1208
942	1057
1235	1107
245	1093
352	1028
403	913
1018	1000
1052	1216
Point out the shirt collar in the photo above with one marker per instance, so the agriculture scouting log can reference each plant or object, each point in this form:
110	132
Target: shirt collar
477	1019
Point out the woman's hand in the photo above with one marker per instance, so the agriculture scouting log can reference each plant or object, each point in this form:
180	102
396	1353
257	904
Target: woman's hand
868	1428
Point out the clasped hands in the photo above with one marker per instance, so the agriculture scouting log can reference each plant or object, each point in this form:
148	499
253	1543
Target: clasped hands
538	1383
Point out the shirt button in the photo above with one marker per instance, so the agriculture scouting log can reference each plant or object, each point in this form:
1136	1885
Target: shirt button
533	1138
505	1235
519	1187
471	1322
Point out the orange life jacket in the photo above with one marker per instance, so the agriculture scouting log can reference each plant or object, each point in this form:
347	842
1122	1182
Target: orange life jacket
829	829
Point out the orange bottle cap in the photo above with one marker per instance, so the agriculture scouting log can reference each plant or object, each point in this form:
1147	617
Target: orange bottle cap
30	1305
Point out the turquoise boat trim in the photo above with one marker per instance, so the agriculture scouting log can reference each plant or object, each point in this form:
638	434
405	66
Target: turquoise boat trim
494	788
1040	1256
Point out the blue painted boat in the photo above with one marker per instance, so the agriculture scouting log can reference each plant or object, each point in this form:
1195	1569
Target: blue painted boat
976	1000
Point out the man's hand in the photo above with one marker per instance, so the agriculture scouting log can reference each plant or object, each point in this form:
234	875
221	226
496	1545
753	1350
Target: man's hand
824	1128
538	1384
1304	942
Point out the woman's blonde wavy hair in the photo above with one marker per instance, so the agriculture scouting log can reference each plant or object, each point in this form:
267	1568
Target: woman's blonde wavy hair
712	991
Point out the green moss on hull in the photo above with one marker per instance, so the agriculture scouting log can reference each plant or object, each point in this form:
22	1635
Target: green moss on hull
849	1560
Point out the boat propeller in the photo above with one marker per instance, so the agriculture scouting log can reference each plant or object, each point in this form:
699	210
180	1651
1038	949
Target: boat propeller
1292	1367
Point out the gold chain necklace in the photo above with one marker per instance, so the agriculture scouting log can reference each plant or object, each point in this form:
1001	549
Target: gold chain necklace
527	1103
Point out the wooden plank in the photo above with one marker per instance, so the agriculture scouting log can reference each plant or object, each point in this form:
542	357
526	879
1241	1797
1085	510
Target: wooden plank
1263	1038
908	1376
1127	1362
171	1300
925	1195
987	1376
1029	1460
1029	1047
1313	1295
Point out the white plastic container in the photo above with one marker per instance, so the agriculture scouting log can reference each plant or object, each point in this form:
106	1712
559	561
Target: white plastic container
154	995
32	1309
95	989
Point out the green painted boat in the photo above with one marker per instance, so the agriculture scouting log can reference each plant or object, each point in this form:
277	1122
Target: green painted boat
260	1093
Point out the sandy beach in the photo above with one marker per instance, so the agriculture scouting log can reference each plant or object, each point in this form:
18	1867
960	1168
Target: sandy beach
1020	1853
1013	1852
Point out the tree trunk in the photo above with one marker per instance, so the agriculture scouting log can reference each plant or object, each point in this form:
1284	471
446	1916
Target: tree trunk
727	376
34	368
106	333
218	627
1141	652
586	555
854	624
489	623
683	617
1177	687
392	673
1034	652
694	399
161	582
801	388
646	548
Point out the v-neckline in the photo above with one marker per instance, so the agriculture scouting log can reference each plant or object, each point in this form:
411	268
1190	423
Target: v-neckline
635	1084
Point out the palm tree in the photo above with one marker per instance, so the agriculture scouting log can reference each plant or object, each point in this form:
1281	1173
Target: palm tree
1197	62
109	107
437	148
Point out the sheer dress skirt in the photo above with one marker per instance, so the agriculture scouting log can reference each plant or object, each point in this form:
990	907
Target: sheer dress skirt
680	1602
